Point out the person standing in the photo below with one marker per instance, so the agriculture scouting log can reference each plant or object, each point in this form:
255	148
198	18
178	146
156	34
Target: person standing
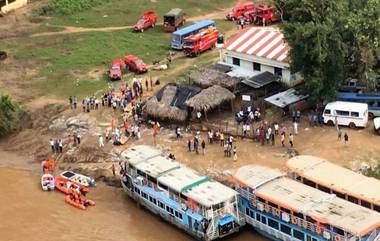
339	134
52	145
276	127
56	146
199	116
272	138
345	138
221	139
225	149
235	154
60	146
210	136
283	139
189	145
196	145
101	141
78	138
75	102
71	102
291	139
295	127
203	144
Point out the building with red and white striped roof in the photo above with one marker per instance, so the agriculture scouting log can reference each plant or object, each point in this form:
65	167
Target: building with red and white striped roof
260	49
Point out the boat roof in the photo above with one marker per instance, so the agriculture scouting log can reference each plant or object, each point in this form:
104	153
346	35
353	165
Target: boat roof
210	193
140	153
157	165
321	206
348	182
180	178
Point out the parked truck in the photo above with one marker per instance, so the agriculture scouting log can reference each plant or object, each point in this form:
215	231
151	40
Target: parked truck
174	19
239	10
265	15
115	71
200	42
135	64
147	20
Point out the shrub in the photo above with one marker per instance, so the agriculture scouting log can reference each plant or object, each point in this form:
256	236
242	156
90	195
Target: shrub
10	114
67	7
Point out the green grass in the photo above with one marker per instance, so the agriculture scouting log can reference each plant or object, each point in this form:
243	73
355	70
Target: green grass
127	12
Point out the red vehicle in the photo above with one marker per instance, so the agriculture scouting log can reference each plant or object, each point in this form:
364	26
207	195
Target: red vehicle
239	10
116	69
135	64
265	15
204	40
147	20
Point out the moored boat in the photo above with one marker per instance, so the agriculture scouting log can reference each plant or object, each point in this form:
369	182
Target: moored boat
195	203
47	182
281	208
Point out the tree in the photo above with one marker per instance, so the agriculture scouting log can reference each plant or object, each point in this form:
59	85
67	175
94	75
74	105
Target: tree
8	115
313	30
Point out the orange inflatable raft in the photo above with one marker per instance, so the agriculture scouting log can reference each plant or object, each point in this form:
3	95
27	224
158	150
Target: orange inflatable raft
64	185
81	204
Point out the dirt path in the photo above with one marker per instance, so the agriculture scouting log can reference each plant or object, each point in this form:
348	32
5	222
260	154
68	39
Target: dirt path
69	29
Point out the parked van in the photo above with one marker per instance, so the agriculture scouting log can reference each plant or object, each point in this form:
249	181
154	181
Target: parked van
346	114
376	125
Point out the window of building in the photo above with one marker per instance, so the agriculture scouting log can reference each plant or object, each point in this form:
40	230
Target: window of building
236	61
342	112
298	235
272	223
256	66
278	71
355	114
285	229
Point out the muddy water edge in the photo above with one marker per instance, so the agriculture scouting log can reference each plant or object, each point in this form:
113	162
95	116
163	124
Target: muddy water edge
26	212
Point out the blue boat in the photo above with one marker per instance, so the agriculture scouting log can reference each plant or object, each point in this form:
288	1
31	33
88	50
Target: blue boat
202	207
281	208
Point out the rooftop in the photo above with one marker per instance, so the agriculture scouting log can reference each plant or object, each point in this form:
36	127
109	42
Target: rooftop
267	43
321	206
286	98
348	182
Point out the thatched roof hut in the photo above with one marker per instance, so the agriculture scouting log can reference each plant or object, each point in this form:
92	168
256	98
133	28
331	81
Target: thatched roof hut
169	102
206	77
210	98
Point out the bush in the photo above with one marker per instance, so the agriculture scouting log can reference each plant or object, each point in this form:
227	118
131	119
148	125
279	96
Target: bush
67	7
10	114
374	171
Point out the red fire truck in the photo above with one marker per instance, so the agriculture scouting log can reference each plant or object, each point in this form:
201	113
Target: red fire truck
204	40
265	15
239	10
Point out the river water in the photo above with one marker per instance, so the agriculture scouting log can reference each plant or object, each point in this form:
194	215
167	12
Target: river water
27	213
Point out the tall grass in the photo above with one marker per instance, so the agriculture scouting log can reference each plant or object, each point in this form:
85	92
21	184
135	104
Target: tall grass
67	7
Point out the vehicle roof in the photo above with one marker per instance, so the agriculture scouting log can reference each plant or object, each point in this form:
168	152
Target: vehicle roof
174	11
178	177
376	122
348	182
321	206
346	104
351	95
264	7
200	24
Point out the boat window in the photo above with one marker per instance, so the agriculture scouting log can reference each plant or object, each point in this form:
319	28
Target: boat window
272	223
338	231
141	173
365	204
137	190
323	188
285	210
161	205
152	179
163	186
285	229
355	114
264	220
309	183
258	217
353	199
261	200
309	219
376	208
273	205
178	215
341	195
218	206
154	201
151	199
252	214
299	215
298	235
247	211
143	194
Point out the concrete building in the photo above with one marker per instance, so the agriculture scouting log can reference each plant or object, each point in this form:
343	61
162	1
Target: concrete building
259	49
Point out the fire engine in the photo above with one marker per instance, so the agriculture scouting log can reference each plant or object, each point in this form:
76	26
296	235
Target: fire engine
265	15
239	10
200	42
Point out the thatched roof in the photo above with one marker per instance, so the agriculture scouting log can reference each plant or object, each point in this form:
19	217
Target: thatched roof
210	98
169	102
207	77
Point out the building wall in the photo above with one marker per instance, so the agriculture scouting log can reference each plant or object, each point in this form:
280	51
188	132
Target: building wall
246	62
10	6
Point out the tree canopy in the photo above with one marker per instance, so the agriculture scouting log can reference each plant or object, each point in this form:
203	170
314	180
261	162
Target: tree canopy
331	40
9	115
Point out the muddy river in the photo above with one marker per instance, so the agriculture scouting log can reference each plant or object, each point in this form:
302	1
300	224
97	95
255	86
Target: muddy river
27	213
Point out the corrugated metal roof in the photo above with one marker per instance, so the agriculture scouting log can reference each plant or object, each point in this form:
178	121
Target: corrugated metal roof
321	206
266	43
261	80
285	98
325	173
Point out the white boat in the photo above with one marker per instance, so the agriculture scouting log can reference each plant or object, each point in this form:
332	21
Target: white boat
78	178
47	182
